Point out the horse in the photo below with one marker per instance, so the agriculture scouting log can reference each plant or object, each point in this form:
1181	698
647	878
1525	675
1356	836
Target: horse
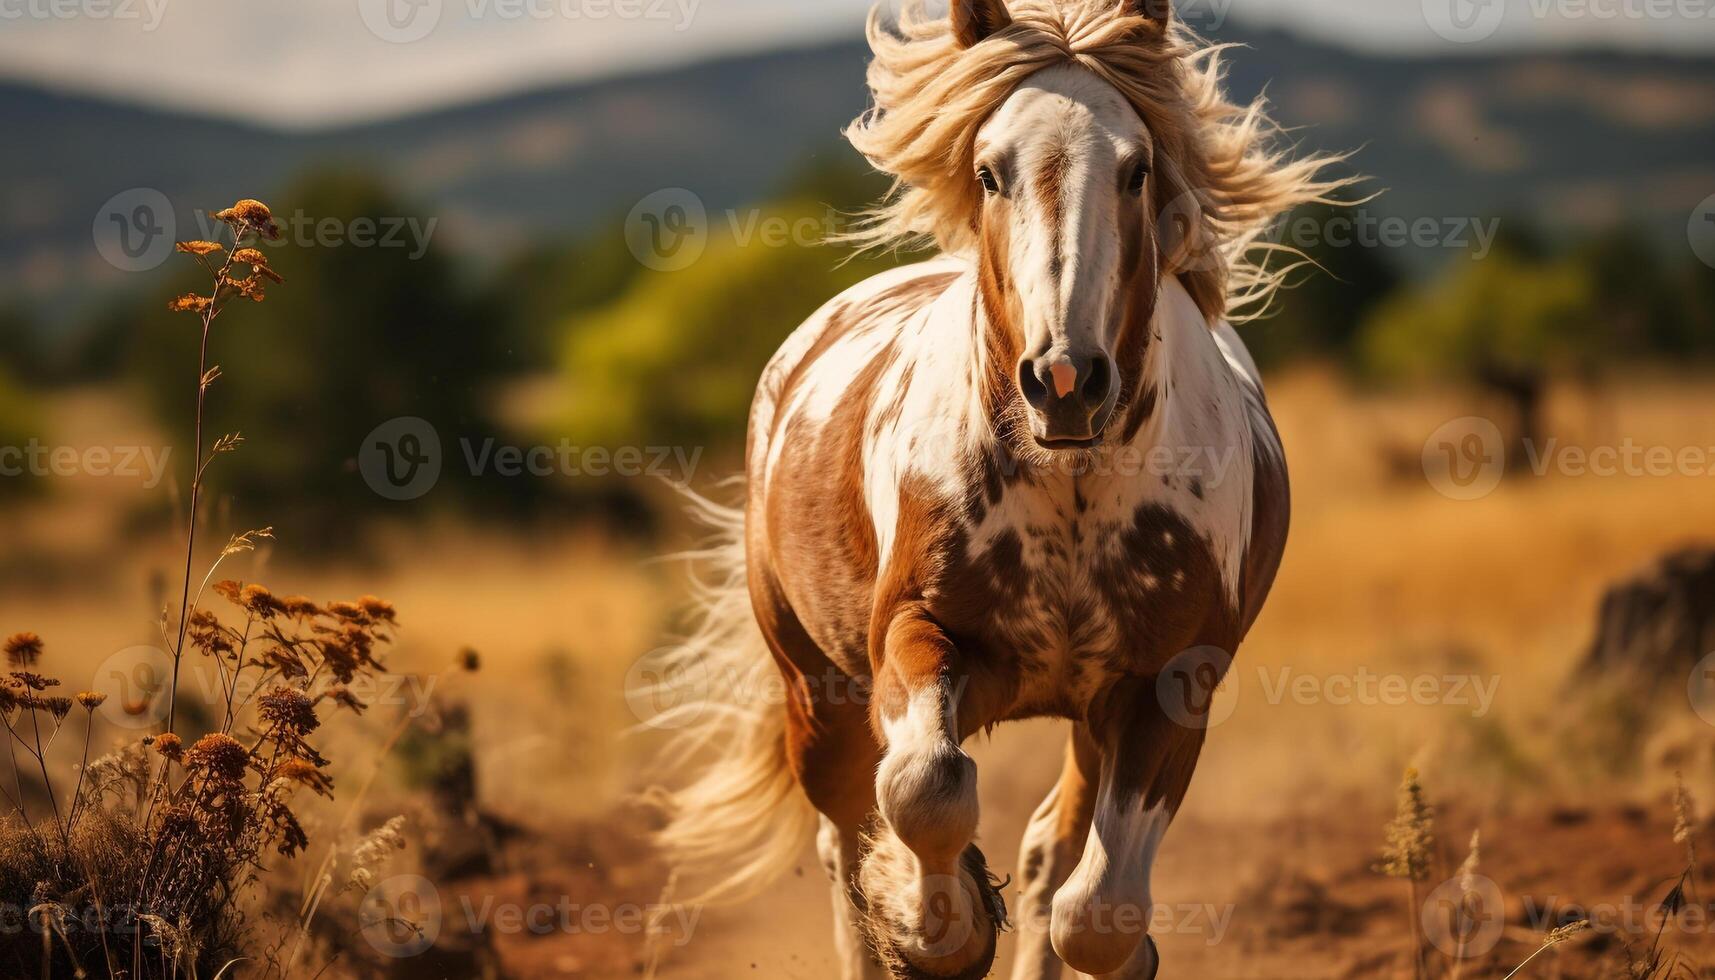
1025	478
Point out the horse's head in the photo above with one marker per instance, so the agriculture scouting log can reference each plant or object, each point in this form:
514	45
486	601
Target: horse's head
1069	259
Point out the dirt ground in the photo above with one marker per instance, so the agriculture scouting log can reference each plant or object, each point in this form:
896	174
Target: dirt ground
1268	872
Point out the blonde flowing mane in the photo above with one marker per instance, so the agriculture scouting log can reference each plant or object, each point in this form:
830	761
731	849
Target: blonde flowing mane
1221	176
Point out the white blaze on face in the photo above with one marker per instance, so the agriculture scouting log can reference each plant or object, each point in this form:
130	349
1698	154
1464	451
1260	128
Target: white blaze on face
1063	149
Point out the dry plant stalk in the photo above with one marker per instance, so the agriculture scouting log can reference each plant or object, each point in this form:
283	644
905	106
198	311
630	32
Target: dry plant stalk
1409	848
161	838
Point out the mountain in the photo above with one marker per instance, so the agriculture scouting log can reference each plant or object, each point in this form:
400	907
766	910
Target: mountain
1582	138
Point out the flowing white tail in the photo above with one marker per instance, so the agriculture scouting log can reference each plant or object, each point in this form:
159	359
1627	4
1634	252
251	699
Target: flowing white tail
738	820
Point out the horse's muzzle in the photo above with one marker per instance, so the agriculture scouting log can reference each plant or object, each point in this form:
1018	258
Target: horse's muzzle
1071	397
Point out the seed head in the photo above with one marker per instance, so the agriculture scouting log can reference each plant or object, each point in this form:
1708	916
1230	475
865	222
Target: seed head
23	649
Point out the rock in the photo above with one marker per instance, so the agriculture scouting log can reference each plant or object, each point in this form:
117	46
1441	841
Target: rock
1655	626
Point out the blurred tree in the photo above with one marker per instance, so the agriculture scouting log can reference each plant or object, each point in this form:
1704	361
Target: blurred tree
1322	311
19	423
366	328
21	347
538	289
675	360
1504	322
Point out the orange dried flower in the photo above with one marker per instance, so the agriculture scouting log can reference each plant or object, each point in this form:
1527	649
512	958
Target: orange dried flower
252	214
198	247
218	755
169	745
23	649
91	699
189	303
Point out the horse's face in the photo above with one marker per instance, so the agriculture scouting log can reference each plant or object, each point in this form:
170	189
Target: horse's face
1066	254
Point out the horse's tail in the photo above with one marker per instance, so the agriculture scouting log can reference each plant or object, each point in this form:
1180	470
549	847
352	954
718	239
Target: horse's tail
738	819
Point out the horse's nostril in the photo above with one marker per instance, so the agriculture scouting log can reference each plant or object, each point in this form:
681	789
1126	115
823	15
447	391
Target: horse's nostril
1035	392
1095	390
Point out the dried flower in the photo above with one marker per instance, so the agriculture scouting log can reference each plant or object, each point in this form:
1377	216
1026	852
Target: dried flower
1684	811
57	706
91	699
189	303
23	649
169	745
218	755
1411	834
288	708
369	854
250	214
198	247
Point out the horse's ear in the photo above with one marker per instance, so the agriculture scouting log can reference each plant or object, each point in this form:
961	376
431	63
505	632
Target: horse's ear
975	20
1160	12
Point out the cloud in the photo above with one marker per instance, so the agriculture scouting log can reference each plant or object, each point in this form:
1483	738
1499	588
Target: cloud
320	62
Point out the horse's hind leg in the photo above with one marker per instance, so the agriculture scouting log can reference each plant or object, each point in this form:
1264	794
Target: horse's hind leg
1052	845
841	850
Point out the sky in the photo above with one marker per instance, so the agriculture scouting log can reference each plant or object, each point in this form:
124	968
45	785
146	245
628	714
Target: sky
304	63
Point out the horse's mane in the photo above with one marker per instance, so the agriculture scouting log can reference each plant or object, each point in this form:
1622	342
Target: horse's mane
1221	175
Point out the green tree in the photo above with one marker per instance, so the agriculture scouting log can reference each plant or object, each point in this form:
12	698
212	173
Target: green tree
366	330
676	358
18	425
1505	322
1324	308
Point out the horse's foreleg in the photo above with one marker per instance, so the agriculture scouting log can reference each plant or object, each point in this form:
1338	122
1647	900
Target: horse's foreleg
1100	919
933	910
1052	845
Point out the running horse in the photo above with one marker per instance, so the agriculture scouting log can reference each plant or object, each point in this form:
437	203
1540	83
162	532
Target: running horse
1024	479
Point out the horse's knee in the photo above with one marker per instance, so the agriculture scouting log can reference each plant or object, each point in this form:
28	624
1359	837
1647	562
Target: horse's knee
1096	935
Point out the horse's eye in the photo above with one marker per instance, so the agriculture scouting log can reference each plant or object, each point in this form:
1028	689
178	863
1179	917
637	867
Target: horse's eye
985	177
1139	174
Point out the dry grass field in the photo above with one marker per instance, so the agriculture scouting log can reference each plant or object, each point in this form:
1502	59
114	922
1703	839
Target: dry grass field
1478	609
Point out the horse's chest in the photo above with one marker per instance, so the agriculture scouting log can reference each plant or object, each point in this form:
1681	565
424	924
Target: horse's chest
1071	597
